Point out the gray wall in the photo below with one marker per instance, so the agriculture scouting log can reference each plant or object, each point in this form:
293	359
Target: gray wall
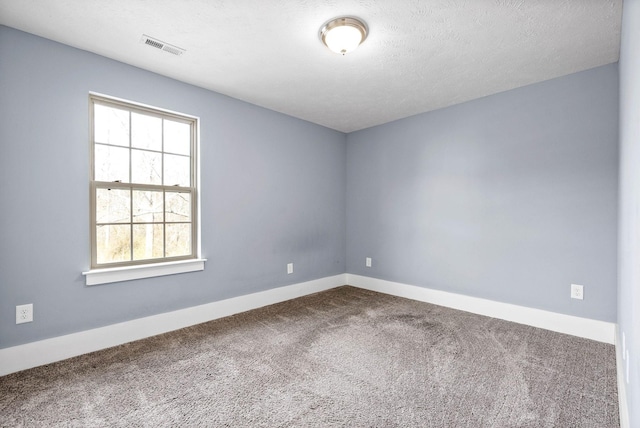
272	192
512	197
629	238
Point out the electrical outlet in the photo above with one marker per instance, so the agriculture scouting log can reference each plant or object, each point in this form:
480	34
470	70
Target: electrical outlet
289	268
24	313
367	262
577	291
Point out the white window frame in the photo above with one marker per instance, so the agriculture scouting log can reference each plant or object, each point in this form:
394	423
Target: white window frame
138	269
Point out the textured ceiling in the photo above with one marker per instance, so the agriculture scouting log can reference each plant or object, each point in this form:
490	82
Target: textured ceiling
420	55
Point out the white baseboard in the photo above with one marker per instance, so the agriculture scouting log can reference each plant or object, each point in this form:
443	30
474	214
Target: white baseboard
622	384
47	351
601	331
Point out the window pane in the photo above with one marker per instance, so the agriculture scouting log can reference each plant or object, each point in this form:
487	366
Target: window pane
177	137
148	240
113	243
146	132
178	240
147	206
177	171
111	125
178	207
146	167
111	163
113	206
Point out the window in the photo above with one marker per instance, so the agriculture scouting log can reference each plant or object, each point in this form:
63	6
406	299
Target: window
143	185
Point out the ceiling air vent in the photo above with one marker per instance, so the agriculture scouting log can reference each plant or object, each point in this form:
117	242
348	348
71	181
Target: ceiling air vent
150	41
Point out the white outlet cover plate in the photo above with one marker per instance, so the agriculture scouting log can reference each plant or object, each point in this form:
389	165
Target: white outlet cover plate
24	313
367	262
290	268
577	291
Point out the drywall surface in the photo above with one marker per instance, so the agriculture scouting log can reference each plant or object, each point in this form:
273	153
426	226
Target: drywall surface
272	192
511	197
629	238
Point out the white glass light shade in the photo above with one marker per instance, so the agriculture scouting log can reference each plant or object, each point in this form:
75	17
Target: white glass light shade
343	39
343	35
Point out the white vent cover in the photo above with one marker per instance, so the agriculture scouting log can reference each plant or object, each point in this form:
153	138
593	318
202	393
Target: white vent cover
150	41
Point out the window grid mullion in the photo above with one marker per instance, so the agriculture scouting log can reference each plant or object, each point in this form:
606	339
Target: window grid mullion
164	197
130	188
164	223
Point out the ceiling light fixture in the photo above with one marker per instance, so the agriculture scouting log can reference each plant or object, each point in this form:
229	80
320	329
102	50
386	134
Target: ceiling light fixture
342	35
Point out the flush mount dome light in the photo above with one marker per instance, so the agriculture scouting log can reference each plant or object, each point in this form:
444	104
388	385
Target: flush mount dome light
344	34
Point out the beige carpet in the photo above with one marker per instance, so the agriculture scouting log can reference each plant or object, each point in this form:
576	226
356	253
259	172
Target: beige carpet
345	357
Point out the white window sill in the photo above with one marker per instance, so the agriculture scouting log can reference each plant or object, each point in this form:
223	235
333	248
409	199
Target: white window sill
127	273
